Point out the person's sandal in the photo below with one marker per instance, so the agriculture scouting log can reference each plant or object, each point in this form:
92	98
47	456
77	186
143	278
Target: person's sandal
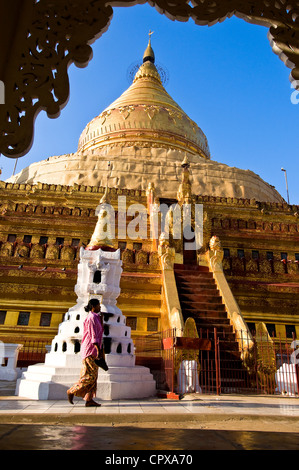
70	397
92	403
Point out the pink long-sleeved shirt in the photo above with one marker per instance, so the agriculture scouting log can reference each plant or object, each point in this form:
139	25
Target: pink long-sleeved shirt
92	333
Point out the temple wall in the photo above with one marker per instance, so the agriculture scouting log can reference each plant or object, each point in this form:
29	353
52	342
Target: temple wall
39	278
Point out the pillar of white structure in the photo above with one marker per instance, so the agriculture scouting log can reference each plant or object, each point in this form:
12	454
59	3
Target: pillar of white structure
8	360
99	273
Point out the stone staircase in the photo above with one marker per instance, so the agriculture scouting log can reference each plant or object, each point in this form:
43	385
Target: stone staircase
201	300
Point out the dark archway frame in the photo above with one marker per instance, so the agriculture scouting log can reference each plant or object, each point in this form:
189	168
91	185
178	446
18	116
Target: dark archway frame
40	39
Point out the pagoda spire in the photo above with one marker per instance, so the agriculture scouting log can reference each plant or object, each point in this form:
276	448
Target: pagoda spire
149	54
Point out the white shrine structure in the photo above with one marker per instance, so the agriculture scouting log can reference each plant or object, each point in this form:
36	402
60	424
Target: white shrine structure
99	272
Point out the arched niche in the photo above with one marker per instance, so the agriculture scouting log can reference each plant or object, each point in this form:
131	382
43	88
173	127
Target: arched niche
97	276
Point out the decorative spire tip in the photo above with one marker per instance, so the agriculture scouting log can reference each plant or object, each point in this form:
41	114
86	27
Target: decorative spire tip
149	53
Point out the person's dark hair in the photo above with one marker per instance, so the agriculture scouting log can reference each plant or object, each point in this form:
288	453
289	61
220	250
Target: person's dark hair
92	303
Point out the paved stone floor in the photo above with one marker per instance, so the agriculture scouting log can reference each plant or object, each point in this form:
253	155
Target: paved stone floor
197	422
131	438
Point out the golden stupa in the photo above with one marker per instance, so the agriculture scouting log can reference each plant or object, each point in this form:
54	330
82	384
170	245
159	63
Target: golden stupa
144	149
146	135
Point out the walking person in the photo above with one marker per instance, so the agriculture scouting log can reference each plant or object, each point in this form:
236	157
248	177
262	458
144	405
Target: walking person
91	346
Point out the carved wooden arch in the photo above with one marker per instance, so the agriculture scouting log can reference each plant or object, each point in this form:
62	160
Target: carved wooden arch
41	38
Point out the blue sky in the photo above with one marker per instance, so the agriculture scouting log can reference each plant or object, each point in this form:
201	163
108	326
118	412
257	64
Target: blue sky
225	77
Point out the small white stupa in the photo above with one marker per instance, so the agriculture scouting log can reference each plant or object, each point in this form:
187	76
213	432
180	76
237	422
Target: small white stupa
99	273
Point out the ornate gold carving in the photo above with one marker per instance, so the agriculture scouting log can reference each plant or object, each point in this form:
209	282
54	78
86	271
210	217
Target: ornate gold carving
67	253
175	116
154	259
37	251
165	252
52	252
55	33
265	351
151	110
141	257
22	251
6	249
216	254
125	111
128	256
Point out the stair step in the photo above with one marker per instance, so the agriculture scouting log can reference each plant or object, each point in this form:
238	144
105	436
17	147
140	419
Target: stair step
203	305
230	356
212	321
204	313
198	290
193	275
222	335
228	346
197	285
190	267
223	331
203	298
227	339
232	383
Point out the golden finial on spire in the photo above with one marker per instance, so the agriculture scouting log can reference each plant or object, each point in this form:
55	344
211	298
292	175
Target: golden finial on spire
149	53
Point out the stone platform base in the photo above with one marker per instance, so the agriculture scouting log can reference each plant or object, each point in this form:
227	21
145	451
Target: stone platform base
45	382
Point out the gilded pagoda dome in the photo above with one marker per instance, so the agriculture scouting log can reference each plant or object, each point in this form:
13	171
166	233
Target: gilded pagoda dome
141	139
145	115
